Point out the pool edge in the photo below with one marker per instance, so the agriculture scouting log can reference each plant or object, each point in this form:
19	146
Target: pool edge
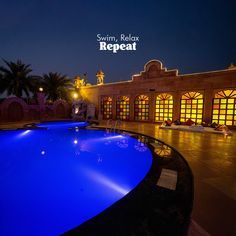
126	216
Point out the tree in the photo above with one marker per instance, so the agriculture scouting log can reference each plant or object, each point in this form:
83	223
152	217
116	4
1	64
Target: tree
16	79
56	86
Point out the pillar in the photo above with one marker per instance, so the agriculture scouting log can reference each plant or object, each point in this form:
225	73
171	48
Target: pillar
207	106
176	102
152	104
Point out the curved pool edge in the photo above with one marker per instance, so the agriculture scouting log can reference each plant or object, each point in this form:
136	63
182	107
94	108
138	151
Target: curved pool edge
148	209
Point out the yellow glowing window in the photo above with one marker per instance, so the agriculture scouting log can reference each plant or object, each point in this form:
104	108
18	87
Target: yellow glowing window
122	108
141	108
222	117
164	102
215	117
191	106
224	105
226	94
222	112
106	107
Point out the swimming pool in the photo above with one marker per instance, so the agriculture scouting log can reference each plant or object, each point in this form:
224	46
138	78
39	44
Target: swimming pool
54	179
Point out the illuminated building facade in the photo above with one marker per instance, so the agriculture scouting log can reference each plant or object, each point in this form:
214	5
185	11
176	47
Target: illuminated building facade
158	94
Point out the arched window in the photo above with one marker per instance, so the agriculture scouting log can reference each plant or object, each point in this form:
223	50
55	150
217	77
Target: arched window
106	107
141	108
191	107
164	107
122	108
224	107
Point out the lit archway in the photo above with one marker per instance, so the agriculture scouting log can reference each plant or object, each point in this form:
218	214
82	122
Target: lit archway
164	107
224	107
141	108
191	107
122	108
106	107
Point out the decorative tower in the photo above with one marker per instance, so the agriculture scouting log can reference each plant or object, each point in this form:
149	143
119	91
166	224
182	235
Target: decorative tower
232	67
79	82
100	77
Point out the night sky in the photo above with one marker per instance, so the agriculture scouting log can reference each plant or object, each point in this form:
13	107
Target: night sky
60	36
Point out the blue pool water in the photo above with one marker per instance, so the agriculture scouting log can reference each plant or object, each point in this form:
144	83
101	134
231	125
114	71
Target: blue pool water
53	180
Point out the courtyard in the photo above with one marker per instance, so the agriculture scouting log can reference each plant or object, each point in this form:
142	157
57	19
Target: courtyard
212	159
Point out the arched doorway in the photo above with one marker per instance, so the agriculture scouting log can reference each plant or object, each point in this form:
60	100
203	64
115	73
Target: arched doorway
191	107
122	108
164	107
106	108
141	108
224	107
15	112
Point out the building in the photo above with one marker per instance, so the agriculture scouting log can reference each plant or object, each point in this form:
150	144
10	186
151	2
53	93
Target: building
158	94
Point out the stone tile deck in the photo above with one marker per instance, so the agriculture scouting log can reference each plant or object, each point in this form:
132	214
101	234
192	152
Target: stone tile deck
212	158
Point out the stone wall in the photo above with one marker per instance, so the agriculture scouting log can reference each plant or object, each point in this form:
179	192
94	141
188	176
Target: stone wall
156	79
16	109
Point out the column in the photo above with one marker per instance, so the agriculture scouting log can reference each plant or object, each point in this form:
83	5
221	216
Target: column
131	107
207	106
114	107
152	103
176	109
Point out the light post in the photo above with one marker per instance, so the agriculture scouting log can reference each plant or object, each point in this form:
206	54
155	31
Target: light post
40	98
75	95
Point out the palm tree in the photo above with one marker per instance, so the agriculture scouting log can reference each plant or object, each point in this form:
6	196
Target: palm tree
15	79
56	86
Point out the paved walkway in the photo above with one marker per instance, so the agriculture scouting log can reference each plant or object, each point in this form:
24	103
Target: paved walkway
212	158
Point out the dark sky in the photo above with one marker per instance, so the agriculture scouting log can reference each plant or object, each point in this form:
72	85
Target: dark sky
60	36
